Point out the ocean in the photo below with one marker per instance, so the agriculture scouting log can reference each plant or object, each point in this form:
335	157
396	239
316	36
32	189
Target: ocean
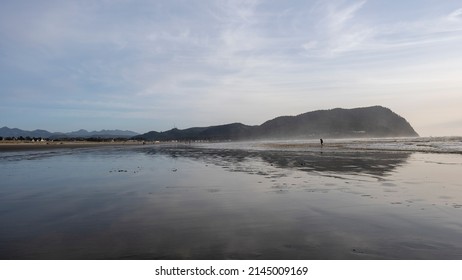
394	198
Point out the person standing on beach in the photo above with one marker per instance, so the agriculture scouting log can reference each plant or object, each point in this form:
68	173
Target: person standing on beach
322	142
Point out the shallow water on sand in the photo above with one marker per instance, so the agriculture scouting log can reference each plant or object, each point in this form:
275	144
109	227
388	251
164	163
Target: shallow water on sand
225	202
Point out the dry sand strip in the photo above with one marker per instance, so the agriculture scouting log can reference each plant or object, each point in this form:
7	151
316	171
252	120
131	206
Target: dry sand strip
23	146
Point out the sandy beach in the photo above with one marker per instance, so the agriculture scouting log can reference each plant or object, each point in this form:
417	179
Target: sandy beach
229	201
24	146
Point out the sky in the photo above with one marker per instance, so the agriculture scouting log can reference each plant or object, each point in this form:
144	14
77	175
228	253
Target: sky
154	65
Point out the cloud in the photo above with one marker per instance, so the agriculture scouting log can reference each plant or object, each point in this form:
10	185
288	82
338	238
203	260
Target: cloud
338	17
341	30
455	15
338	30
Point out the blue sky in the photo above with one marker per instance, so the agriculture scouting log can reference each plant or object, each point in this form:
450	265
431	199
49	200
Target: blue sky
153	65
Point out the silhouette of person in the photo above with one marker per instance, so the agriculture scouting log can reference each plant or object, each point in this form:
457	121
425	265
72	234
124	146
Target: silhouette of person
322	142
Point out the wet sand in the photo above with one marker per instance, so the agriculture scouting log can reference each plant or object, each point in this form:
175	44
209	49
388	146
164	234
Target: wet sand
218	202
24	146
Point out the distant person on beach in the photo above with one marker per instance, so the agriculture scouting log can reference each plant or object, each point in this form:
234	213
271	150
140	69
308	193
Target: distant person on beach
322	142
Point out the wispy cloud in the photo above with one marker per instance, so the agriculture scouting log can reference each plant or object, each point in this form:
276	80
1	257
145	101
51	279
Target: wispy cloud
341	30
455	16
337	29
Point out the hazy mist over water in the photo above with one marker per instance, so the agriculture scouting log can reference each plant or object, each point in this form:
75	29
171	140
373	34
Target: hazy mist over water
355	199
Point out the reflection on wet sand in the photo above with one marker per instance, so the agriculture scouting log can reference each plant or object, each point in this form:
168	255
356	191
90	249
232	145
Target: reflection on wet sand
193	202
372	163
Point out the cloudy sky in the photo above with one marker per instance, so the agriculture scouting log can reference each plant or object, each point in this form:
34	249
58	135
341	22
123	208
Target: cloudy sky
152	65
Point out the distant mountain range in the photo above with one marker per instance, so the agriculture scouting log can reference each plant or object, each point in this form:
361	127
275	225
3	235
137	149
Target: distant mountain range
375	121
82	133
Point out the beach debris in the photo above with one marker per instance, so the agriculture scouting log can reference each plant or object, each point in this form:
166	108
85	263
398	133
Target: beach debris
118	170
174	170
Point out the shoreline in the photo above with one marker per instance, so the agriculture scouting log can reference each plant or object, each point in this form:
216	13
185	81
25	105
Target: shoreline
423	145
